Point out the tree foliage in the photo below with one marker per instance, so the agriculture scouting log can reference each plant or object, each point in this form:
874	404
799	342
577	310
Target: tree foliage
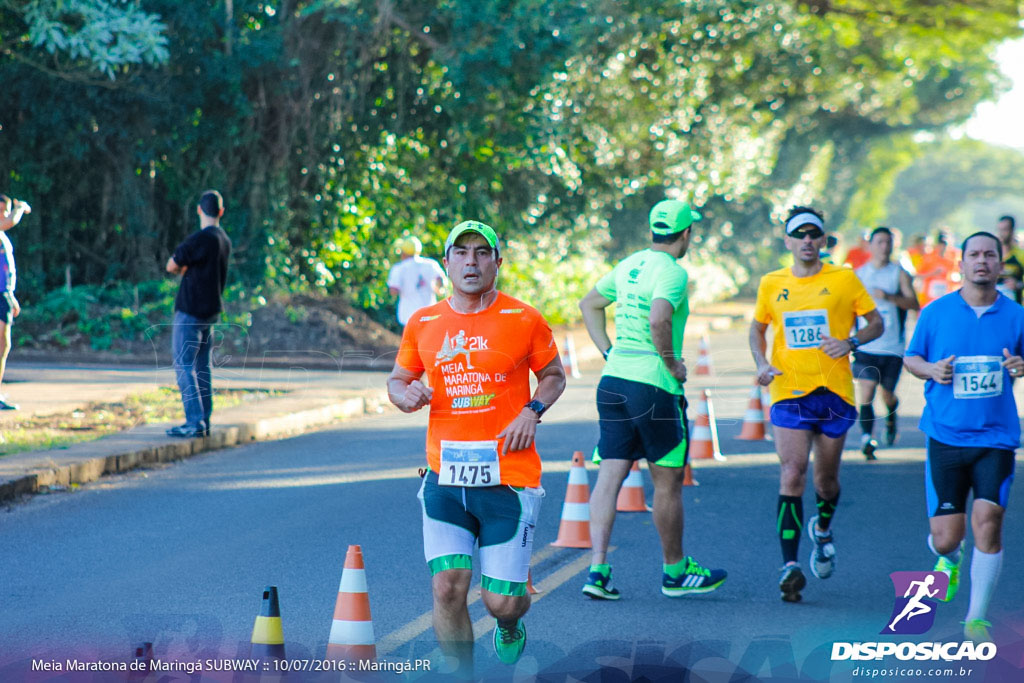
950	175
335	126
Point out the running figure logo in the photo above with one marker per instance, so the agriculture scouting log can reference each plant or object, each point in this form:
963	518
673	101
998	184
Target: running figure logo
453	347
913	613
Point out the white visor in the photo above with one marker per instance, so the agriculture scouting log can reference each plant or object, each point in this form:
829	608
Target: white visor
802	219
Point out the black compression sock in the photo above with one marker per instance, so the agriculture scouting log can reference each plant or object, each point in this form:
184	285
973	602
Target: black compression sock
867	419
826	510
790	523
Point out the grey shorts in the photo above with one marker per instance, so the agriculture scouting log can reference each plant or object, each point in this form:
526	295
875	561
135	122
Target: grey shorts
501	519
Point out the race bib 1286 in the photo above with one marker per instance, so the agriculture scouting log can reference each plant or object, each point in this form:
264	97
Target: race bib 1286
805	329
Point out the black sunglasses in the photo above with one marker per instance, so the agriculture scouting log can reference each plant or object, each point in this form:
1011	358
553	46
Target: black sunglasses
813	234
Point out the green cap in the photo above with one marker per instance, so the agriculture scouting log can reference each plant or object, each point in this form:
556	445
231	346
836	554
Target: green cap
671	216
482	229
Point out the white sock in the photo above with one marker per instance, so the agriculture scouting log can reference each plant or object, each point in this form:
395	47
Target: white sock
953	555
984	574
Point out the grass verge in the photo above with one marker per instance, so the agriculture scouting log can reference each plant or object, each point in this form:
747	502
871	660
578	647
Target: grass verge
98	419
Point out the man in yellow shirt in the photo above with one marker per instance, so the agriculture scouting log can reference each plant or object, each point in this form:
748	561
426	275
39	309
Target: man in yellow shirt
812	309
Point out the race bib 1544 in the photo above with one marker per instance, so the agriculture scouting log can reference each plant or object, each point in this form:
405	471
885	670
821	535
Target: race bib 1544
977	376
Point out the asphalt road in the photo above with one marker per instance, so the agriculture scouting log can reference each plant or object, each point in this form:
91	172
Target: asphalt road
179	556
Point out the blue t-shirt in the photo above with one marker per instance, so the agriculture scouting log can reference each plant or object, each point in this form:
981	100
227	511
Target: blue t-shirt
977	409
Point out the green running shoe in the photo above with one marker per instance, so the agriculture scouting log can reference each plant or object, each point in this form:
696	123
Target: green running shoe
976	630
696	579
952	571
509	642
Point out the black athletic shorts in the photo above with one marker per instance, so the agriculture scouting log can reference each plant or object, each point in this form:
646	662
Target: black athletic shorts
874	367
640	420
951	472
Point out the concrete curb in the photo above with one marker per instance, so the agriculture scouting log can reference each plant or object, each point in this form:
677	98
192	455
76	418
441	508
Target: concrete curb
148	445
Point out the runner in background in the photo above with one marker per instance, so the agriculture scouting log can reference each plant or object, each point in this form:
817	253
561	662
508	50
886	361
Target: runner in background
415	280
880	361
859	253
938	274
1012	281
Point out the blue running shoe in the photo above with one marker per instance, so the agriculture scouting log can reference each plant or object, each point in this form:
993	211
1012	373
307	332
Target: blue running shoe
696	579
823	554
598	586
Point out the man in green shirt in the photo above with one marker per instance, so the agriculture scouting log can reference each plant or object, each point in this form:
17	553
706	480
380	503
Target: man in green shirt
640	397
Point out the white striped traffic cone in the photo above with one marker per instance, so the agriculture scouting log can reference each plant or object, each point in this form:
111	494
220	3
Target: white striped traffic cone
569	362
574	530
352	629
753	419
704	440
704	356
631	495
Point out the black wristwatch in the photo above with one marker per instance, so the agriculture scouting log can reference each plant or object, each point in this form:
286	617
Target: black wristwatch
607	353
853	342
536	406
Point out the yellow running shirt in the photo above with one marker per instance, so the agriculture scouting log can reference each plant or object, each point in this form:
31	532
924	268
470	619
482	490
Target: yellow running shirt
800	311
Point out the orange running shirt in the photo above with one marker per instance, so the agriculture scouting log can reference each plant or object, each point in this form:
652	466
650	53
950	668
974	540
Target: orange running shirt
479	367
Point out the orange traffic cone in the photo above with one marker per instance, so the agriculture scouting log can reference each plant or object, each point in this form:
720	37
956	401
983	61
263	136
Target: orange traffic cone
753	420
631	495
704	440
574	530
704	357
529	584
569	363
267	642
688	479
352	630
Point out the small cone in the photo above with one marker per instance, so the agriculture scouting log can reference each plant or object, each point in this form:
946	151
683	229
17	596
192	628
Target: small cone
267	636
352	630
688	479
569	362
703	440
631	495
143	662
529	584
704	356
574	530
753	420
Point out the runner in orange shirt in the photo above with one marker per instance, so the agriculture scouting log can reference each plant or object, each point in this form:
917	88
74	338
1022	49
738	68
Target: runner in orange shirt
858	254
477	349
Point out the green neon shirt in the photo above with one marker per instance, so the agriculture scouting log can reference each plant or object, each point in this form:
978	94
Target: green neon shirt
633	284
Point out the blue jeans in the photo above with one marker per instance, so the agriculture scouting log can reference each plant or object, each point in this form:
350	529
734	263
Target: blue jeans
190	344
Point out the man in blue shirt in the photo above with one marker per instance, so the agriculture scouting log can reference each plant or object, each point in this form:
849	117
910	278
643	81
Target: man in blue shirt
11	211
968	345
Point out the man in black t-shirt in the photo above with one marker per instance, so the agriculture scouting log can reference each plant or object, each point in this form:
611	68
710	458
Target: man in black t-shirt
202	261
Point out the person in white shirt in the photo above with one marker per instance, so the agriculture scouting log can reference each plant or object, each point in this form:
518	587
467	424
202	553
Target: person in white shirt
880	362
415	280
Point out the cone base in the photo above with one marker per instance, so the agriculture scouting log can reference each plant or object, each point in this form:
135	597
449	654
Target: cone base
572	544
351	652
